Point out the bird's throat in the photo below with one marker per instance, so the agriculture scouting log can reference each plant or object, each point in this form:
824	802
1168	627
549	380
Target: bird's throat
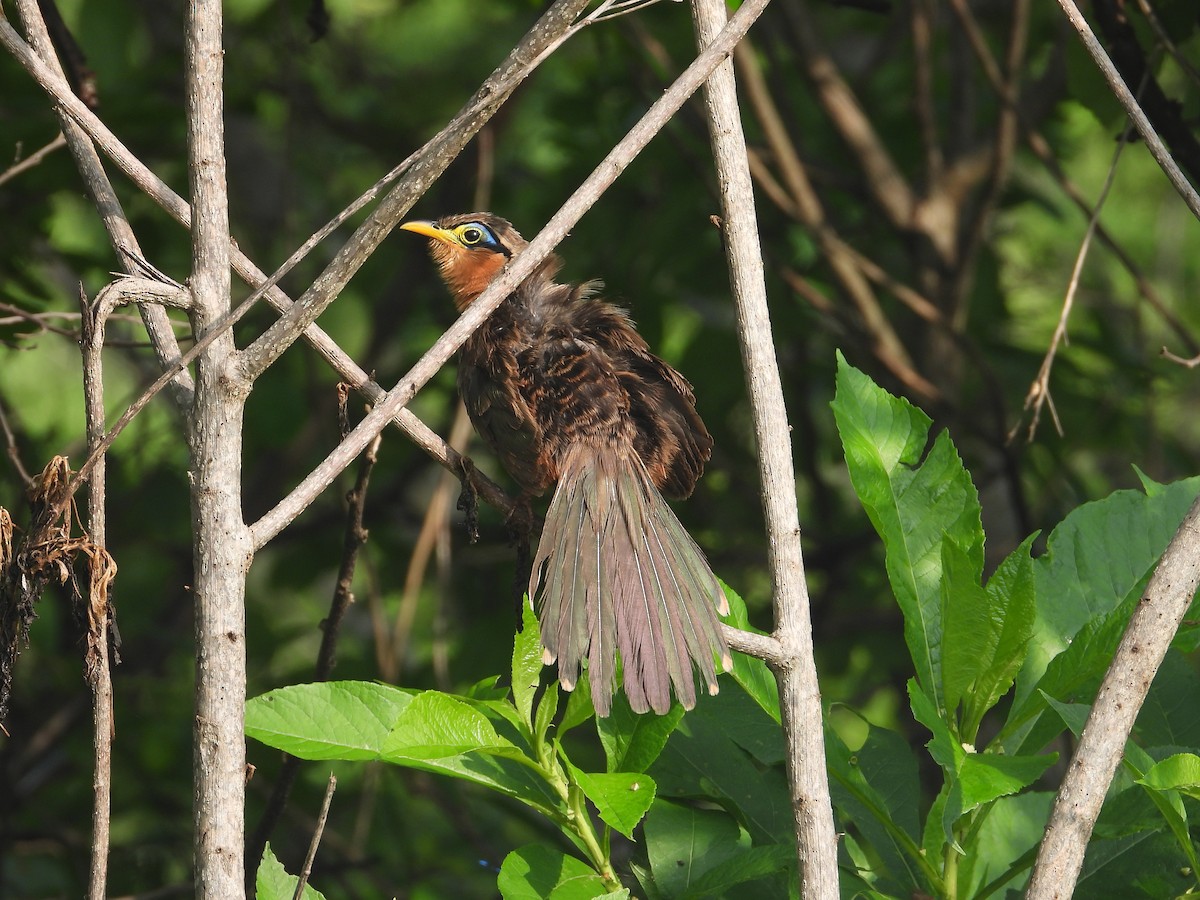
467	273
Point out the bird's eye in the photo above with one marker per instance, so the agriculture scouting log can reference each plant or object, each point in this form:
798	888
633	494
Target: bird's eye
472	234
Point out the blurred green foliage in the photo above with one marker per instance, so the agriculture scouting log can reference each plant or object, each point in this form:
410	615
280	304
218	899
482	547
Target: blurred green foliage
311	124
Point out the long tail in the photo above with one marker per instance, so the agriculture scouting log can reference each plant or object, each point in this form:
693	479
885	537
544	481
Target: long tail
622	574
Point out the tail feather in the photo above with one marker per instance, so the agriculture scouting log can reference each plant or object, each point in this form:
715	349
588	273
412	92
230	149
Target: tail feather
622	574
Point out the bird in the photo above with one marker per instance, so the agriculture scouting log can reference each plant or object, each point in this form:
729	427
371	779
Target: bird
566	393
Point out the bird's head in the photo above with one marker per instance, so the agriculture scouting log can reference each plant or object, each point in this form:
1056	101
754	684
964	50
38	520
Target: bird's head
469	249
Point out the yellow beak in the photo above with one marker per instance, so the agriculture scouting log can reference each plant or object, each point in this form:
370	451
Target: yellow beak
429	230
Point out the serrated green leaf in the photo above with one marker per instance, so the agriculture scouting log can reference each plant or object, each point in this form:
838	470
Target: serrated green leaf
621	798
526	664
683	843
1076	672
946	751
915	504
1012	595
1005	843
329	720
537	872
1098	556
632	742
272	882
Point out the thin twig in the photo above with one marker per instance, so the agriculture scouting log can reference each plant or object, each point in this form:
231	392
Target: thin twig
1125	96
1165	39
513	274
14	452
885	342
1039	391
316	838
1126	683
796	673
1189	363
33	159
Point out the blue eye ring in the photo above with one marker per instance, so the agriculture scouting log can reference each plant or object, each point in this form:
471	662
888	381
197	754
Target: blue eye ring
474	234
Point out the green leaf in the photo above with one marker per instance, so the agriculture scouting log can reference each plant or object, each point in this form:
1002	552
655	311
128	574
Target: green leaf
526	663
747	865
684	843
546	709
435	725
632	742
537	872
621	798
1098	556
984	777
701	759
579	707
946	751
751	673
329	720
1012	596
272	882
1180	772
877	788
1003	847
970	625
915	504
1074	673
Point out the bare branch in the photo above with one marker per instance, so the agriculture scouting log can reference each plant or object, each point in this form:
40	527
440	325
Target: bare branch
33	159
807	208
799	692
99	611
512	274
762	646
1153	142
883	177
220	539
1121	694
178	209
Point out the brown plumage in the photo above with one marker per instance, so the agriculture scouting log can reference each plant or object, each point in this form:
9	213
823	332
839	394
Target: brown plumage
564	390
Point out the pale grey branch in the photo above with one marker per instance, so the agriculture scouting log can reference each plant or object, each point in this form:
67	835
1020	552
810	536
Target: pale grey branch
796	672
